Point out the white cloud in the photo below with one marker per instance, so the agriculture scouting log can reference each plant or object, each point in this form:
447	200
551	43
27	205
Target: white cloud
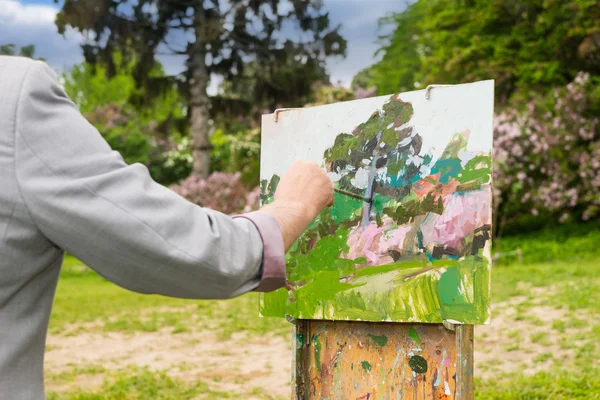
14	13
24	24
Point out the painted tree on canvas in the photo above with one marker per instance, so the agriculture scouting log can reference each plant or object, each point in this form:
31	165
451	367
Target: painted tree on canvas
380	156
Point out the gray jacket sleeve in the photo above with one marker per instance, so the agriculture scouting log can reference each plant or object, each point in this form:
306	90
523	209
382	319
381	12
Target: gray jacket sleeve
85	199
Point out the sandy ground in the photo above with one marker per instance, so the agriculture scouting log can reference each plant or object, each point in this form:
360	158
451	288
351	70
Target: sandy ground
234	365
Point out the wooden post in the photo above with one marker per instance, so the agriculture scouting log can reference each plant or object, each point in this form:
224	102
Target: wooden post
369	361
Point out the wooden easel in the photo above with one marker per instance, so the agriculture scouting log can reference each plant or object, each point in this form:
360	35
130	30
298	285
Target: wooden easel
392	361
369	361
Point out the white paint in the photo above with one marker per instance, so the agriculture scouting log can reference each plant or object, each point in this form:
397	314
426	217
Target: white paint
306	133
361	178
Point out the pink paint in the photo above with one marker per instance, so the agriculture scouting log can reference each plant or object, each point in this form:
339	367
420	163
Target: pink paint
463	213
394	239
374	243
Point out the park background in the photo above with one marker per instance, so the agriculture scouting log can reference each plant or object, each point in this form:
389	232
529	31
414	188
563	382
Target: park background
182	91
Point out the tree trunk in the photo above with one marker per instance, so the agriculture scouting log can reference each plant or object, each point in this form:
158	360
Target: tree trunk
366	217
199	100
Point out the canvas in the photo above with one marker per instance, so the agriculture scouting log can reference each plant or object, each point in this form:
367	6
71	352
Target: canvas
408	238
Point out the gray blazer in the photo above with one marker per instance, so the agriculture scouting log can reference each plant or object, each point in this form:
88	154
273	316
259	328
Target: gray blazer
63	188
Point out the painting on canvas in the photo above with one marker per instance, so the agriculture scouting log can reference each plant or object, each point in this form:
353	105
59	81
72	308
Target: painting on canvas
408	238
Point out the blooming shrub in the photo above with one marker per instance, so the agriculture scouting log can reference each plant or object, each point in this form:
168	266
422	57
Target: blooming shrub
168	159
237	150
548	156
220	191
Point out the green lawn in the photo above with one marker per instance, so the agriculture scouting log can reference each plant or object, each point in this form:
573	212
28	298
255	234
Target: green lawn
83	296
570	283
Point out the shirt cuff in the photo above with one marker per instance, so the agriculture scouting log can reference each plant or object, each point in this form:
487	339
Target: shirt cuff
273	261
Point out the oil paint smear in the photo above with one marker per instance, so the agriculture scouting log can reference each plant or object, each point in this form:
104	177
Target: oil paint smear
415	250
351	365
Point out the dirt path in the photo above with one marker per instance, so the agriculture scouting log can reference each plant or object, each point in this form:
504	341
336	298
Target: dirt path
236	365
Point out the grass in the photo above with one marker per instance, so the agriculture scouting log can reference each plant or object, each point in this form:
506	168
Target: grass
86	301
544	385
569	283
141	384
135	383
572	242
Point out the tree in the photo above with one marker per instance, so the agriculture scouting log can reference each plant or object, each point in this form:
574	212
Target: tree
401	61
90	86
380	156
524	45
362	80
150	135
11	49
219	38
288	81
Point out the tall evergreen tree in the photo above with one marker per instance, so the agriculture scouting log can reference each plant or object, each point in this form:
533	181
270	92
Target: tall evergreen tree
215	37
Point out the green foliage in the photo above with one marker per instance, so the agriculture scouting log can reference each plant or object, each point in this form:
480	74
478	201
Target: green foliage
523	45
543	56
363	79
151	135
11	49
91	86
401	61
290	81
239	41
572	242
237	151
208	25
327	94
547	157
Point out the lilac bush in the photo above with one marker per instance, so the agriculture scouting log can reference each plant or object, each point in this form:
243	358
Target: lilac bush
220	191
547	157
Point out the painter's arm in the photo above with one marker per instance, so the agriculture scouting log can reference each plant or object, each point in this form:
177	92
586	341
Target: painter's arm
135	232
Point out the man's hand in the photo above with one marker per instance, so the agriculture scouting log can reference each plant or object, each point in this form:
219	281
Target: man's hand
303	191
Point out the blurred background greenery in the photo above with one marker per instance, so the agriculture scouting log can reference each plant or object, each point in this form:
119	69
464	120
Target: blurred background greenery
543	55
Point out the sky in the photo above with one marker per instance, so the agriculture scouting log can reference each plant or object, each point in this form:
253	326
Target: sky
32	22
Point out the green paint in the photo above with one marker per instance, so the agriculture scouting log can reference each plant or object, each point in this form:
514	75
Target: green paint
405	212
418	364
366	366
457	144
418	298
379	340
478	169
317	346
449	287
414	335
345	207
